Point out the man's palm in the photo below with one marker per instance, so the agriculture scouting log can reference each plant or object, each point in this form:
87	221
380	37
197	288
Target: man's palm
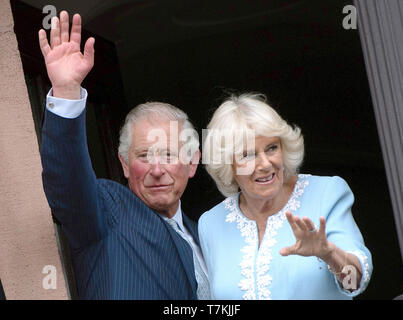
65	64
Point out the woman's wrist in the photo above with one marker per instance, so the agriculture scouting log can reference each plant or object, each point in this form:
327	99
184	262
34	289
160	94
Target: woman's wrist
328	252
337	259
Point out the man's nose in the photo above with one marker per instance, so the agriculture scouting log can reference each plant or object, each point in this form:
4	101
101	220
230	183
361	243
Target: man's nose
157	169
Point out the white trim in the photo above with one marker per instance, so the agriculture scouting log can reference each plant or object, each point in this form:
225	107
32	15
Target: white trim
255	262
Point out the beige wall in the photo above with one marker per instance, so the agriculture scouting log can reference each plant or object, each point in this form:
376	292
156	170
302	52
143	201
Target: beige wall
27	235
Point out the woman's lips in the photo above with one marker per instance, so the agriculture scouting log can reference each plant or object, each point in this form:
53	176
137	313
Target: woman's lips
266	179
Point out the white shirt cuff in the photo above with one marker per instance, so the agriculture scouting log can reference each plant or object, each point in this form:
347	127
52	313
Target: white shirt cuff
64	107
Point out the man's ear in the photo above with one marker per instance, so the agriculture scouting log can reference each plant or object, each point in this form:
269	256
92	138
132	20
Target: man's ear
194	162
125	166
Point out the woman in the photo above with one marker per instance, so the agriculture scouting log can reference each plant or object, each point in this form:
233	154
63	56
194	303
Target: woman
251	252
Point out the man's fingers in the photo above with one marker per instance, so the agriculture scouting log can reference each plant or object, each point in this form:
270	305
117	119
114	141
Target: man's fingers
55	32
89	51
43	43
64	26
76	29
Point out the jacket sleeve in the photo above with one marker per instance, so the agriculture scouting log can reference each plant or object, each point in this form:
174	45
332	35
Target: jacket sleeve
342	230
69	180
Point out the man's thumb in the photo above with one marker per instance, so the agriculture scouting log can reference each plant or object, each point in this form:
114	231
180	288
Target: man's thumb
89	51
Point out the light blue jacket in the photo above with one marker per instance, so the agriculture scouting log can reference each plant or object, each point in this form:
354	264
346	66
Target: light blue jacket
240	269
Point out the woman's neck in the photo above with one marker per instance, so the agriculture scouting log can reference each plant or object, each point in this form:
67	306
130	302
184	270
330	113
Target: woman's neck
260	209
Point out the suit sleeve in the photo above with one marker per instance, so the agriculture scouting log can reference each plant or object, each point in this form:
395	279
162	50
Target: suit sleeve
69	180
342	229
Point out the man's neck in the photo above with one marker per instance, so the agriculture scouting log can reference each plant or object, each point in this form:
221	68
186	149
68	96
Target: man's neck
170	212
177	216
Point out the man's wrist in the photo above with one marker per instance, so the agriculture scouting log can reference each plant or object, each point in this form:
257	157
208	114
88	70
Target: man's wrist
64	107
67	92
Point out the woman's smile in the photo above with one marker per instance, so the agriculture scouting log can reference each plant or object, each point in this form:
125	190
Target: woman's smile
268	179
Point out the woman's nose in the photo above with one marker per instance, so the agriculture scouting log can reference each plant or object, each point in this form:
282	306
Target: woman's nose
263	162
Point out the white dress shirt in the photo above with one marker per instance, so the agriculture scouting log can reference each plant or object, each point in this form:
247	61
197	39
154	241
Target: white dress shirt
66	108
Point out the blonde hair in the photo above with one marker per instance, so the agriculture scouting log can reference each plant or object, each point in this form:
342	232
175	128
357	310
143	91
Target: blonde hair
236	116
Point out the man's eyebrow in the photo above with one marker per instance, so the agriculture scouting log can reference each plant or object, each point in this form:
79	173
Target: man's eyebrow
140	150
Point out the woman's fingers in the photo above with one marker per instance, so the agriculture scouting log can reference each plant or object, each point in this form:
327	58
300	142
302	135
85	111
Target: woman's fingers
296	223
290	219
307	243
64	26
304	224
301	225
309	224
286	251
55	32
322	228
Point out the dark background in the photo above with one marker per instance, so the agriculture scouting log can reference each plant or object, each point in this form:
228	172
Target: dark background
308	65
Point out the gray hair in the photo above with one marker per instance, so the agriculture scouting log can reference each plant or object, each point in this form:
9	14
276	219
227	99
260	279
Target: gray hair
156	110
245	113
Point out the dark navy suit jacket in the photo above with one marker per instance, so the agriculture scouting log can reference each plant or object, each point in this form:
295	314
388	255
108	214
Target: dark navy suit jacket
121	249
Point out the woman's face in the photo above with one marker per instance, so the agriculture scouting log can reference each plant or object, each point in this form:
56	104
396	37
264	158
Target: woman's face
259	171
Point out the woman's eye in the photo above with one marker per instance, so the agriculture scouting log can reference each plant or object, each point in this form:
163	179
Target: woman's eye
248	156
272	148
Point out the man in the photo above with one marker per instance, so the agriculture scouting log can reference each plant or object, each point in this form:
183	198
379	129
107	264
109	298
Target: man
127	242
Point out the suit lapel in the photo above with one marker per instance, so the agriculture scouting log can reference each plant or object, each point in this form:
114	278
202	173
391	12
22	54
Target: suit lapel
192	228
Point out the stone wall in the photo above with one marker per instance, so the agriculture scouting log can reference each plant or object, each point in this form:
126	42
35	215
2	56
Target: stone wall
27	235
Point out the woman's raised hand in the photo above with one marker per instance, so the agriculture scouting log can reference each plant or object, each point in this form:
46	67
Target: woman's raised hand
309	240
66	65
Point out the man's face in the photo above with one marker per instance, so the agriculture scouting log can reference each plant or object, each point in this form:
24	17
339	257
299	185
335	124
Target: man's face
154	172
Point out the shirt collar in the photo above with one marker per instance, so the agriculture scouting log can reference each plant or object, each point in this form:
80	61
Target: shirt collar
177	217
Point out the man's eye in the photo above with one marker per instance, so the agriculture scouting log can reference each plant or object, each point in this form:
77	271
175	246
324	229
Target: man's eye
143	156
171	157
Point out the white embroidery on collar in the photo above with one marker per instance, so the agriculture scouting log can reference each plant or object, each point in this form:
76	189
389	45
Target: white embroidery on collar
255	283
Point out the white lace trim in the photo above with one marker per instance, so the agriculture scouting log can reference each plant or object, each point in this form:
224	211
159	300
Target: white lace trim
255	282
366	268
365	274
